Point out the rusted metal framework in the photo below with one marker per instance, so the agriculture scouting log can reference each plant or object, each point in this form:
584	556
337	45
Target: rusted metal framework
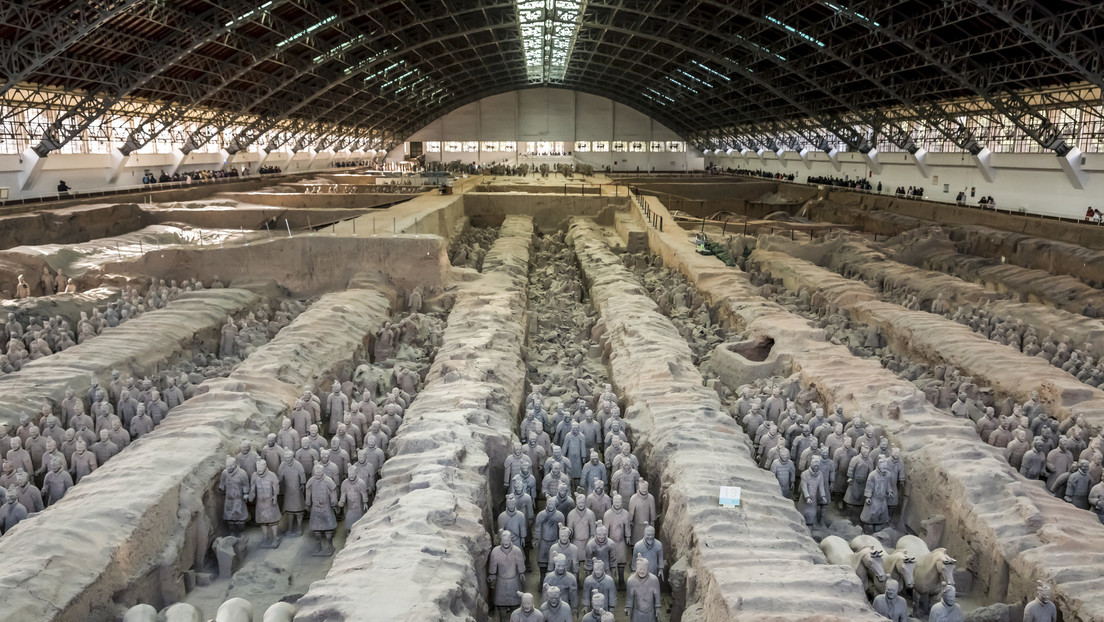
1013	75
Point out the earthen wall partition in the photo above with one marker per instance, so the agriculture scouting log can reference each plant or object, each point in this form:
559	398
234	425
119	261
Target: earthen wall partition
76	225
1032	250
934	339
67	306
129	531
1007	531
550	211
420	553
1081	234
1067	286
304	265
754	562
321	200
141	347
856	254
1039	244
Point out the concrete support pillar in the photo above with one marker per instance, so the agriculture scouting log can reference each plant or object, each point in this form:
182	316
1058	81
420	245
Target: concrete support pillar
804	153
177	159
833	157
1071	166
32	169
984	161
274	158
921	157
314	156
116	165
871	158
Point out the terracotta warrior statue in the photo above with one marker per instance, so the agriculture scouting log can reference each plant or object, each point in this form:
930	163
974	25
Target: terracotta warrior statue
264	489
321	498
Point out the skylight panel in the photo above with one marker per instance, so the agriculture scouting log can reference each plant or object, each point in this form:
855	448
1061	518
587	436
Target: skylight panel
305	32
657	93
855	14
245	17
548	29
761	48
691	89
797	32
340	48
694	78
712	71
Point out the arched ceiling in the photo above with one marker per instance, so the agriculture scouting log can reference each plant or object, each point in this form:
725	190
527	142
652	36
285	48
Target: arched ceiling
376	70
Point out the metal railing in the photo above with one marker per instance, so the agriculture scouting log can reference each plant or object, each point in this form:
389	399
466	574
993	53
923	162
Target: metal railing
638	199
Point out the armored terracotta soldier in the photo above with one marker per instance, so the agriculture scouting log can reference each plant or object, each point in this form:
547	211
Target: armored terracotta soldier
582	522
506	573
947	610
598	583
527	611
118	435
1041	609
47	456
546	531
105	449
82	463
321	498
12	511
513	521
354	497
1078	486
555	608
598	501
235	484
264	490
1033	465
618	522
857	473
57	481
814	493
890	605
512	465
650	549
292	483
29	495
336	405
642	510
785	472
563	579
642	594
875	512
593	471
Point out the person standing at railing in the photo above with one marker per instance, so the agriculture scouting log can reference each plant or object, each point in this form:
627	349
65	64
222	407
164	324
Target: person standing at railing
63	188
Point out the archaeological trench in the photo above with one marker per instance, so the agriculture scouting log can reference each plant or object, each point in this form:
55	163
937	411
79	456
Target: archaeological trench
898	390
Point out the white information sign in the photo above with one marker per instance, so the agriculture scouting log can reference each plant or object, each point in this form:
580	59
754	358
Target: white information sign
730	496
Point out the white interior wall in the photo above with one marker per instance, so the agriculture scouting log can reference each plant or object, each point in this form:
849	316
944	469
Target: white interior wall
550	114
1033	182
498	118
